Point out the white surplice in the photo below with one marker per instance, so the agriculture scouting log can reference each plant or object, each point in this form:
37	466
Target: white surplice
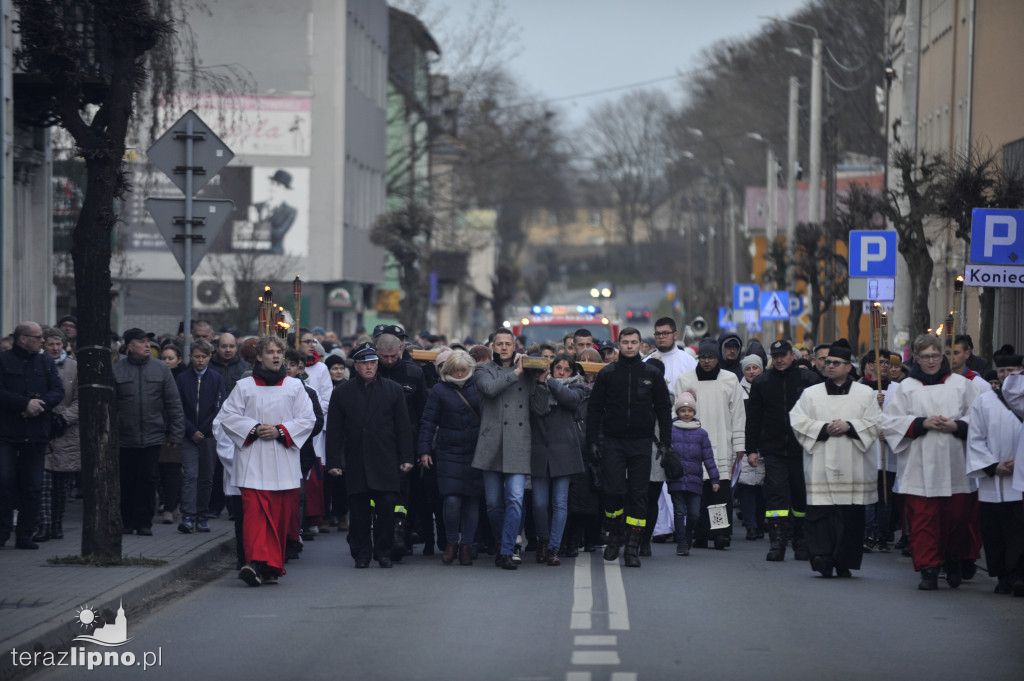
994	437
267	464
933	464
840	470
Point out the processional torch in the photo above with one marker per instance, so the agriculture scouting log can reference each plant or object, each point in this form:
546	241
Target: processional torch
297	296
876	338
958	291
950	333
266	310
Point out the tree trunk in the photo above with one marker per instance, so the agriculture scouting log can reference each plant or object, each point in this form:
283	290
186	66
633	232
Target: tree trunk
920	265
853	325
102	523
987	308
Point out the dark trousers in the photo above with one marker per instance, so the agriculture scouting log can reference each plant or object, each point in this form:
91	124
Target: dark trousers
170	484
785	493
627	473
234	504
1002	530
836	532
751	501
335	498
879	515
364	519
21	484
709	497
139	475
653	494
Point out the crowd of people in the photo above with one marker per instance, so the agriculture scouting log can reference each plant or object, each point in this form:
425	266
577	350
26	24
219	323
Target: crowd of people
559	447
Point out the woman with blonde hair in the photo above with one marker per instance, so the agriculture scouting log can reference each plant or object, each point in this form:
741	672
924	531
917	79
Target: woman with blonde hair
448	435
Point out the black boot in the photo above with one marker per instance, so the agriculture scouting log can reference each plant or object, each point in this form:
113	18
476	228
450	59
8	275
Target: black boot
682	544
954	575
777	536
634	535
398	545
572	543
57	529
929	579
800	551
615	528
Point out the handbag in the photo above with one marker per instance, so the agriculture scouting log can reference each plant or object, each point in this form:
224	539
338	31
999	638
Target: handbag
672	466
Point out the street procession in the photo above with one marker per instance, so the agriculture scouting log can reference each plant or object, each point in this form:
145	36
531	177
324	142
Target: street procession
319	351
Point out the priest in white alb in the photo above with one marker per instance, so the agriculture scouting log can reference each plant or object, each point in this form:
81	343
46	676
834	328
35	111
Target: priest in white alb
836	422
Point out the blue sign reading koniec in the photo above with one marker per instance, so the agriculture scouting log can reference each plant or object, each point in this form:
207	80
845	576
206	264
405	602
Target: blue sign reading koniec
997	236
873	253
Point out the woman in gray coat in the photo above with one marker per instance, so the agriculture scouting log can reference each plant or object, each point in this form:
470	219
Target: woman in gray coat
557	454
64	457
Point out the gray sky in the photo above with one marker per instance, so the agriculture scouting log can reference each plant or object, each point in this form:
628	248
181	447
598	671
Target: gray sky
571	47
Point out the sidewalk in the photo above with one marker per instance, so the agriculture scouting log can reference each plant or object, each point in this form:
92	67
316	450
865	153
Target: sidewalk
39	602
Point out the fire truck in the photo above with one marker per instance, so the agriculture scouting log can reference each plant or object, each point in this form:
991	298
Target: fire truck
552	322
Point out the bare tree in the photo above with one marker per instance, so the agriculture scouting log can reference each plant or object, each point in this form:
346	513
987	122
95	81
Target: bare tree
93	60
405	233
813	262
626	143
970	180
242	276
859	209
906	208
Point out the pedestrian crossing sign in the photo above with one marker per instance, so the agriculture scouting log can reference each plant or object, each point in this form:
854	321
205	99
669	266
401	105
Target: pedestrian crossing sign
774	306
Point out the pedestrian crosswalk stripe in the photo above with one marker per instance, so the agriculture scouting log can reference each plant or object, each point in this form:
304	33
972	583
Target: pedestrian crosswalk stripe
596	640
595	657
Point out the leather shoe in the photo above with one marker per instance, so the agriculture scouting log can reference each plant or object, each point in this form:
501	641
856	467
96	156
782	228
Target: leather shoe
26	544
507	563
449	553
384	562
465	555
722	542
542	552
144	532
41	536
362	564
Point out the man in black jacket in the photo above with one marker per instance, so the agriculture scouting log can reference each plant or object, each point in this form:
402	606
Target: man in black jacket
628	400
369	439
395	366
769	437
30	389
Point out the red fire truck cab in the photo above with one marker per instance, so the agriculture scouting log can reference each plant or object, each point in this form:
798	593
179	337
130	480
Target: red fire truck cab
552	322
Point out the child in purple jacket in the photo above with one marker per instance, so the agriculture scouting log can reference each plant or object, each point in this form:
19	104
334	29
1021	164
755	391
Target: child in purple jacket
691	444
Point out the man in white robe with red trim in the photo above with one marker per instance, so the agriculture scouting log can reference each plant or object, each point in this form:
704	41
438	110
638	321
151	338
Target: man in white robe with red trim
925	420
267	416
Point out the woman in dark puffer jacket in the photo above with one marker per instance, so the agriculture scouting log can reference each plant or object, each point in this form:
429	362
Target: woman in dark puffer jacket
448	435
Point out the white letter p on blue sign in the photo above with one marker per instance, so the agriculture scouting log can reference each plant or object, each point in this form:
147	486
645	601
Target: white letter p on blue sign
873	253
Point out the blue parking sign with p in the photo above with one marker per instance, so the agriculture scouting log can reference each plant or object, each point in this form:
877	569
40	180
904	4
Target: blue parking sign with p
997	236
873	253
745	296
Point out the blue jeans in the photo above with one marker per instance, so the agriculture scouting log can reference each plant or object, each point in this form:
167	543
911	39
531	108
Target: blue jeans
558	489
198	462
460	512
686	509
503	493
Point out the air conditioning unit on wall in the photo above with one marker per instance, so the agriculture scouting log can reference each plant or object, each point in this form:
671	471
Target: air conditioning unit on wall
212	294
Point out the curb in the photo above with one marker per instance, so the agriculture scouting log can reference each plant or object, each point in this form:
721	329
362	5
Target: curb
57	632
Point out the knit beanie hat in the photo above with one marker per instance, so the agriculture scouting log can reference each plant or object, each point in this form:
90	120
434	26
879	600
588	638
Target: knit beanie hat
687	399
751	359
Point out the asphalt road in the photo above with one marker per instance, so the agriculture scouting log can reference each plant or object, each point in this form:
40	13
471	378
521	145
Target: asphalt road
712	615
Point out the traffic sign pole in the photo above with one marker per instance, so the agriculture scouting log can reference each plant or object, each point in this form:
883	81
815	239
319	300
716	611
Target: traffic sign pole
189	134
204	160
